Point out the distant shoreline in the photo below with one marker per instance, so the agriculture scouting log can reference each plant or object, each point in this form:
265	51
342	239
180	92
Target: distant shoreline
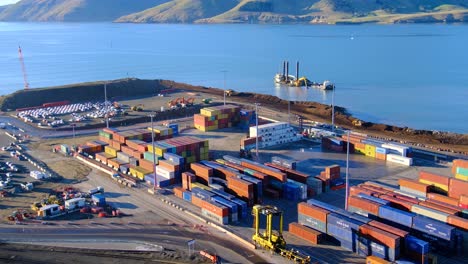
310	110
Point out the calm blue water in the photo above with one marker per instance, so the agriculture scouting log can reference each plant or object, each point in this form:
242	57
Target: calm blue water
408	75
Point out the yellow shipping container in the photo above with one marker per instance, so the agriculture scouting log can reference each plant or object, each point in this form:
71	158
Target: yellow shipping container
359	150
199	185
461	177
376	260
370	151
110	150
441	186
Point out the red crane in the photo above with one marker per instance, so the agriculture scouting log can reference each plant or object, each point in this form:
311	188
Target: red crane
23	68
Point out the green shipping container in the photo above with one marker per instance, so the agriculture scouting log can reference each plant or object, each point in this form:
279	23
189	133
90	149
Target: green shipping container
105	134
149	156
462	171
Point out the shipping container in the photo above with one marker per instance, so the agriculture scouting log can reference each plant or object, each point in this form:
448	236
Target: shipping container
433	227
364	204
416	245
399	160
308	234
343	222
457	188
381	236
396	215
439	181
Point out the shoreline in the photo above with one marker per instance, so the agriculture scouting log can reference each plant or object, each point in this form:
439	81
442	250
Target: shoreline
436	140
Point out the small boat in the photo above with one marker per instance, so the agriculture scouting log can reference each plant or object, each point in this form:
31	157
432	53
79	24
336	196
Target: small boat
326	85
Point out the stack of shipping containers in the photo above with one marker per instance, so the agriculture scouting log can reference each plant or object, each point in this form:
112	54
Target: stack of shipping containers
274	134
362	144
216	117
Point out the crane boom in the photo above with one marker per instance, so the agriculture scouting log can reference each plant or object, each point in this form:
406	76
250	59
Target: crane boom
23	68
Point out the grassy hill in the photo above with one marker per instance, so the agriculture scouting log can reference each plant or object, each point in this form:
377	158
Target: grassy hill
239	11
180	11
74	10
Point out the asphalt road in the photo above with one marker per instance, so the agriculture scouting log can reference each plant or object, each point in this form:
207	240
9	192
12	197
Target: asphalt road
164	235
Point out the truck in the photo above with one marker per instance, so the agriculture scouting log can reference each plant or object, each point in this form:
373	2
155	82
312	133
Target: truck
98	189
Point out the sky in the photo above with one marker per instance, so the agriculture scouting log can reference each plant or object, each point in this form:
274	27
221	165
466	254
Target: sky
7	2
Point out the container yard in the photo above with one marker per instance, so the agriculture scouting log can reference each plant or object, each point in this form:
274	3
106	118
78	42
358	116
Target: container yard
202	170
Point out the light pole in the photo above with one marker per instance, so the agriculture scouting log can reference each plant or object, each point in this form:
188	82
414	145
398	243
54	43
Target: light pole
347	174
333	110
152	115
73	126
289	111
105	104
256	128
224	77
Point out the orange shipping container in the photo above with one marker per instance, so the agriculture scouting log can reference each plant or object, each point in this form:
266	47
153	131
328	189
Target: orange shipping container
439	207
393	230
446	205
201	170
458	222
147	165
459	163
443	180
463	200
386	238
376	260
197	201
373	189
414	185
308	234
178	191
369	206
219	211
381	156
313	211
457	188
443	198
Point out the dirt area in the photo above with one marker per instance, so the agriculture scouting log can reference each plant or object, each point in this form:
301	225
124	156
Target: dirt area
23	253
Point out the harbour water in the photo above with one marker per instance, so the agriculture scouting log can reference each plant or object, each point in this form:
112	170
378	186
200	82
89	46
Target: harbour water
406	75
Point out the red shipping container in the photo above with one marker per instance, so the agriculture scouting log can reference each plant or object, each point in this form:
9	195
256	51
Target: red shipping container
393	230
201	170
197	201
463	201
364	204
374	189
376	185
308	234
444	180
446	205
219	211
386	238
402	204
443	198
355	190
457	187
458	222
439	207
406	198
313	211
414	185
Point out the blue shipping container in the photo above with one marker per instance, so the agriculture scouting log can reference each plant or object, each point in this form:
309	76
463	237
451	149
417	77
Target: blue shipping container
202	194
340	233
343	222
349	245
164	183
362	246
323	205
433	227
378	250
381	150
242	207
374	199
187	195
416	245
99	198
224	194
396	215
232	159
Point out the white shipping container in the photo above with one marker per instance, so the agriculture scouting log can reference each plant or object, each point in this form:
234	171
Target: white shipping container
399	159
74	203
164	173
400	149
429	212
215	218
412	193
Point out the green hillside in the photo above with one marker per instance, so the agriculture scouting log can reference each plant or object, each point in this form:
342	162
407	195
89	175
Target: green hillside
239	11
